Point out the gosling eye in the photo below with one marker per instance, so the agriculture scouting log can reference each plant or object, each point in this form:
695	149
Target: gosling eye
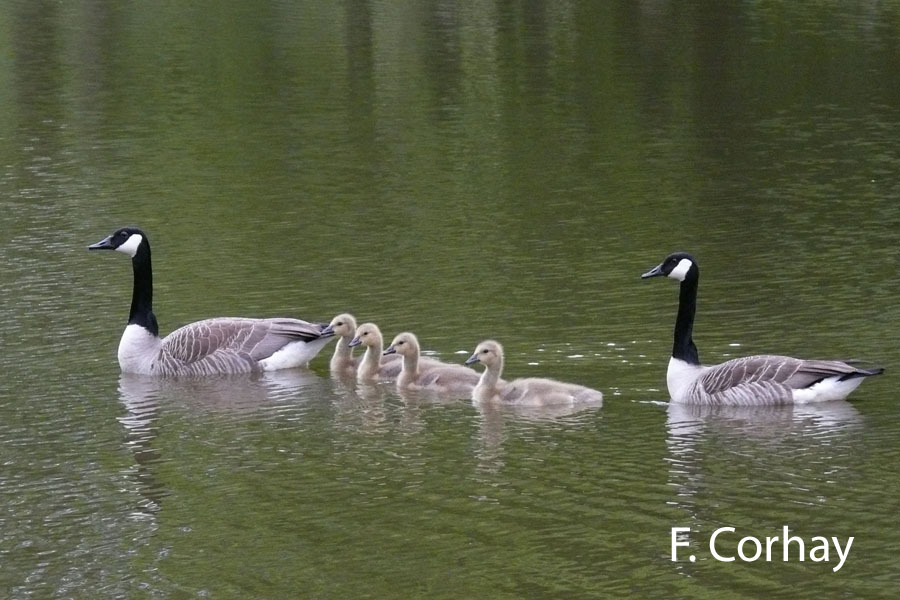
365	333
484	351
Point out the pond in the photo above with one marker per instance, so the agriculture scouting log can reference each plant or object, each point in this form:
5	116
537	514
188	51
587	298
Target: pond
465	171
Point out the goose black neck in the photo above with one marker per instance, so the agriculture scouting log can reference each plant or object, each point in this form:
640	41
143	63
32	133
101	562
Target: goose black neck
683	347
142	294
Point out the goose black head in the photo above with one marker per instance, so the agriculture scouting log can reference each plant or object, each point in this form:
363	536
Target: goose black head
126	239
678	266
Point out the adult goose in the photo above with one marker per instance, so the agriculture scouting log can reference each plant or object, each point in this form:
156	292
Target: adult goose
530	391
429	375
210	347
752	380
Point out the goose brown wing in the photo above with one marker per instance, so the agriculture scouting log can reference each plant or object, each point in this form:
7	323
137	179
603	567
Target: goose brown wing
751	393
811	371
253	339
749	369
270	335
763	379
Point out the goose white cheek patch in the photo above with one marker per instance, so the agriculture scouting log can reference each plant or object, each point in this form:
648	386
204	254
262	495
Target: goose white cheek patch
680	271
130	247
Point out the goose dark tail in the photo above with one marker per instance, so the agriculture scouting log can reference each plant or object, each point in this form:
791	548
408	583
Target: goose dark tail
862	373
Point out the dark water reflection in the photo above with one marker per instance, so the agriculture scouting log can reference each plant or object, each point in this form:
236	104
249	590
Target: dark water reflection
798	447
827	418
800	467
495	423
145	397
464	171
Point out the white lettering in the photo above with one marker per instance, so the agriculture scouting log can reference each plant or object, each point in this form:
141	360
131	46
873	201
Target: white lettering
787	542
676	543
712	544
769	542
741	549
750	548
841	555
822	548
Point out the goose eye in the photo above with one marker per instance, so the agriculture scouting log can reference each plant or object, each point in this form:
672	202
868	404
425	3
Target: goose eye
365	333
484	351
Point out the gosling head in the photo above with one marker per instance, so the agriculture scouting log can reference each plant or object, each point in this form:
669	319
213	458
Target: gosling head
127	239
367	334
489	353
342	325
405	344
678	266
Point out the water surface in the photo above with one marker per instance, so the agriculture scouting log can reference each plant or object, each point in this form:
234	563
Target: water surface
464	171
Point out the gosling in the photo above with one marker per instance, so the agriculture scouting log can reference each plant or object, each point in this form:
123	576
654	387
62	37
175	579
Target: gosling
432	375
342	361
374	366
531	391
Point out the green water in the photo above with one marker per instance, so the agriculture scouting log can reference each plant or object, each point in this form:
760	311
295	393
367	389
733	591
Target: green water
461	170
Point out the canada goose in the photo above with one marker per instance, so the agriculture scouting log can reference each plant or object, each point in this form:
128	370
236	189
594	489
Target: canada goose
531	391
373	365
343	326
213	346
433	375
752	380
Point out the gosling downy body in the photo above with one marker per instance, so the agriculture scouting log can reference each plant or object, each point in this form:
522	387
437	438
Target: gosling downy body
374	366
343	327
530	391
221	345
753	380
429	375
